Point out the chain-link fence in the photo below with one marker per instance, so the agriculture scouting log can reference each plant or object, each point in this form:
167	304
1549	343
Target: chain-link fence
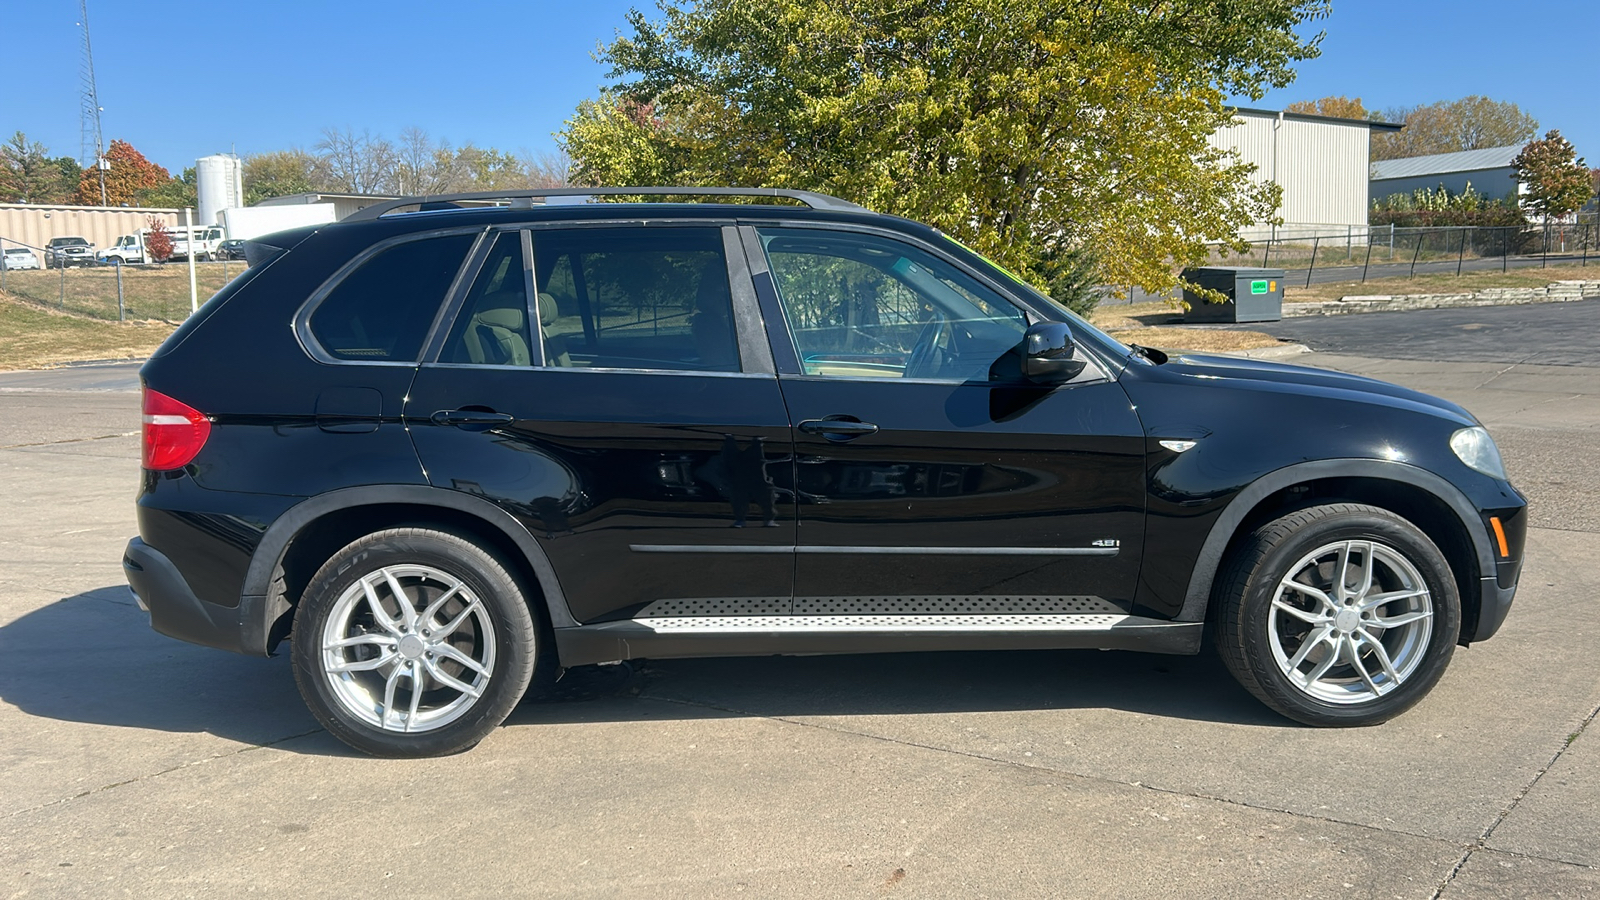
1387	251
112	292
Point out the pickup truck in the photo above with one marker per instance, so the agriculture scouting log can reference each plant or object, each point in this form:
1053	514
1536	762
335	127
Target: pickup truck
61	252
206	239
128	249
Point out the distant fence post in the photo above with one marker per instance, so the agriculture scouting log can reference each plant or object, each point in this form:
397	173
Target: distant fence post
1505	250
61	300
1315	243
1368	264
1266	254
1418	253
1586	245
3	266
122	309
1461	257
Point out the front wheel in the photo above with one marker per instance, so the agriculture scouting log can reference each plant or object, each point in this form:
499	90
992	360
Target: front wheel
1337	615
412	642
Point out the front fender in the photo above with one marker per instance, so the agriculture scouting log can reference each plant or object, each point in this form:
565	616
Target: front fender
1198	596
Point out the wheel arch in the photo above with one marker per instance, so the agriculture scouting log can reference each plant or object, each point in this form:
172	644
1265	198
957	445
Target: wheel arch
1430	502
307	534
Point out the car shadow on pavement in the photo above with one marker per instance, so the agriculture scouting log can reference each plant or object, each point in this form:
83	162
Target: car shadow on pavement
93	658
887	684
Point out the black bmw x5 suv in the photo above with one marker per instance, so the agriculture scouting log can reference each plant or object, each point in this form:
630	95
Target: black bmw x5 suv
449	446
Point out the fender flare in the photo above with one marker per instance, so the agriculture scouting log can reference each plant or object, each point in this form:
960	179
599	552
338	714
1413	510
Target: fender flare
275	543
1210	559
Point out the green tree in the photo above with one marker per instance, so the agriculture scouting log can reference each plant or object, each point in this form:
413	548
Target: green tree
1029	129
281	173
177	193
29	175
1471	123
1557	181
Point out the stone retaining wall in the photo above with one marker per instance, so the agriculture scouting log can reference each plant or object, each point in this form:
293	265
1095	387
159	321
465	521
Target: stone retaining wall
1556	292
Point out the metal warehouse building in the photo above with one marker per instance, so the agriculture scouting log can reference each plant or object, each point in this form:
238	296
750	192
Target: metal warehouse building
1488	170
1322	163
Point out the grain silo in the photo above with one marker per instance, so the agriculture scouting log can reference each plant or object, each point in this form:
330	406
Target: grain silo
220	183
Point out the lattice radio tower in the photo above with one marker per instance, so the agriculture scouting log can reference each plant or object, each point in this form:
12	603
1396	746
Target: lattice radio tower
93	146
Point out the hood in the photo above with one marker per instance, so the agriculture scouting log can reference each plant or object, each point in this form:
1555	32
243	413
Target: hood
1248	373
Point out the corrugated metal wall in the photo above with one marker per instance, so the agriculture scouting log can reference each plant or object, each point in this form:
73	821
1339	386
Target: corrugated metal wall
1496	184
34	224
1323	167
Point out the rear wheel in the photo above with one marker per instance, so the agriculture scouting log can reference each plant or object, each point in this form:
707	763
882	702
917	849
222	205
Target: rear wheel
1338	615
413	642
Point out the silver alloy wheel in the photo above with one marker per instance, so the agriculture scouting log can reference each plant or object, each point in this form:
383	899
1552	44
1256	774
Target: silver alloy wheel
408	648
1350	622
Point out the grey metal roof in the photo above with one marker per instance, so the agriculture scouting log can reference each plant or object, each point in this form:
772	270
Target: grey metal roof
1445	163
1371	124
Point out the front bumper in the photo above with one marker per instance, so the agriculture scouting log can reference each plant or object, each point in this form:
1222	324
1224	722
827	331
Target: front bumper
176	612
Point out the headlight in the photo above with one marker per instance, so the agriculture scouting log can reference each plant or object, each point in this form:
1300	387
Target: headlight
1474	447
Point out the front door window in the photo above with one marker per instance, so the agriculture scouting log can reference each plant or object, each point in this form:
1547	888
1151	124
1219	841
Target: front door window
863	307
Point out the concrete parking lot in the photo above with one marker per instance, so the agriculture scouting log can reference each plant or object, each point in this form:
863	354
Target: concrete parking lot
132	764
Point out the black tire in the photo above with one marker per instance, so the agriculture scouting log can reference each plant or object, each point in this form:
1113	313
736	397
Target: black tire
494	628
1359	685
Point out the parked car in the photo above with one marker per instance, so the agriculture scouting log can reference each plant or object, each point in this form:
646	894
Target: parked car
501	441
62	252
19	258
129	248
230	249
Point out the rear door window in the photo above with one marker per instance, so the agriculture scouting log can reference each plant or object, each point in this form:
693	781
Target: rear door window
492	328
635	298
383	309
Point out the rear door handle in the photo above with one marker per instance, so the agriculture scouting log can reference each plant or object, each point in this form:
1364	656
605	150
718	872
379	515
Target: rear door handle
837	428
470	417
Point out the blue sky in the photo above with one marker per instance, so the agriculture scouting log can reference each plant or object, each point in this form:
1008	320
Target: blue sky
271	76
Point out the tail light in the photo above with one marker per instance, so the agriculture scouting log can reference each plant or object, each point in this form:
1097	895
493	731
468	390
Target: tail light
174	432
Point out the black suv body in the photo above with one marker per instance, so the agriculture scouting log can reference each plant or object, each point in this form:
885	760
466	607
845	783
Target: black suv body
452	450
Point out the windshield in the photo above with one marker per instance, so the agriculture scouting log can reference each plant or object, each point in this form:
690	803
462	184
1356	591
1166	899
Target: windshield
69	242
1080	326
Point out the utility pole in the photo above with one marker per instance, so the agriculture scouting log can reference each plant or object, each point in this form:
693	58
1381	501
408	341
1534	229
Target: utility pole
91	106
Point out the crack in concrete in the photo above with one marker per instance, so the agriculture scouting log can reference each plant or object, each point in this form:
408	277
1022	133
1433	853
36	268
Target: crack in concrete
146	777
98	437
1256	807
1482	843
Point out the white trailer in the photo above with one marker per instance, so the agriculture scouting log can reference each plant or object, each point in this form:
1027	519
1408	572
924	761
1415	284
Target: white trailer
247	222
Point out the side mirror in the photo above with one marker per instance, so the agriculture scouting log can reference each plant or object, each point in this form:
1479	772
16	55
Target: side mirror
1048	354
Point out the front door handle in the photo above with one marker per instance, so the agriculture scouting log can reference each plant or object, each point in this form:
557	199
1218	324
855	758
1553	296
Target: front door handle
470	417
837	428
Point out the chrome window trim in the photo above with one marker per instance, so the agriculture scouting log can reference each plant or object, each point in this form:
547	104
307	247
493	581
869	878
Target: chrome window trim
301	323
876	551
680	372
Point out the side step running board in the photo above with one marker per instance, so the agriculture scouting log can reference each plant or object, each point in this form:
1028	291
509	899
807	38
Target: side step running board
691	636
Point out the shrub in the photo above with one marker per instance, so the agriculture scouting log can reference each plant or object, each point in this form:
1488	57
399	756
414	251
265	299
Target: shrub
157	241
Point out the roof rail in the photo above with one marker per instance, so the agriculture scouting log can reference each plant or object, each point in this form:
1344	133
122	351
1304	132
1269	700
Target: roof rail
809	198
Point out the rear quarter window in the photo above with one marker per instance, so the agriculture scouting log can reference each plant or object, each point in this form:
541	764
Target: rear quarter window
381	311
